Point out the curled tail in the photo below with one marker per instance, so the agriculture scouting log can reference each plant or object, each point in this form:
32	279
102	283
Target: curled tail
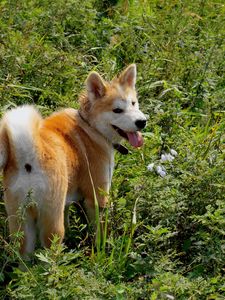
18	130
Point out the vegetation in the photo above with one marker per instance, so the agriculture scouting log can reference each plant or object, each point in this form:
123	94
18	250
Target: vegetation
166	227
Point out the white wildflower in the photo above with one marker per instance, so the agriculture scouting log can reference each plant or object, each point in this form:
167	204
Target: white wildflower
167	157
162	174
170	157
161	171
150	167
173	152
163	157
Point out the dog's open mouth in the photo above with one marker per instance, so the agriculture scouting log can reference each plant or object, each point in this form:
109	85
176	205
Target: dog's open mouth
135	138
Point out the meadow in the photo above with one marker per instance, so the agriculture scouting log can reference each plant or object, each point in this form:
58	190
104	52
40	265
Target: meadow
166	217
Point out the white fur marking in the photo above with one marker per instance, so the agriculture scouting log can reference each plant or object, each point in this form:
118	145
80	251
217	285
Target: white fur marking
21	122
23	183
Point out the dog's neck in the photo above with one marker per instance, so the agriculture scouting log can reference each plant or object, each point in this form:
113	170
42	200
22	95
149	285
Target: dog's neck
83	118
120	148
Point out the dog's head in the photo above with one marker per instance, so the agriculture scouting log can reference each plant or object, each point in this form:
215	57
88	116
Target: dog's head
112	107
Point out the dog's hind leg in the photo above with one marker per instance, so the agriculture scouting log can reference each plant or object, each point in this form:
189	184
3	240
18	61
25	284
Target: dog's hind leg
21	226
51	222
51	225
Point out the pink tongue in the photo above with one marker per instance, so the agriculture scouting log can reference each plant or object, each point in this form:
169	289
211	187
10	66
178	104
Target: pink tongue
135	139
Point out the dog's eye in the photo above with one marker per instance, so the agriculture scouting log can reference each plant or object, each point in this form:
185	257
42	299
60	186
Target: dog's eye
133	103
117	110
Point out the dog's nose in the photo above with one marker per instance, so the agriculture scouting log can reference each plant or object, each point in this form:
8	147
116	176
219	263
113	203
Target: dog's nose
140	124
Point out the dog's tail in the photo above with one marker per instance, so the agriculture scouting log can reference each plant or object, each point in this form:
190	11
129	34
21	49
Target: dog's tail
18	130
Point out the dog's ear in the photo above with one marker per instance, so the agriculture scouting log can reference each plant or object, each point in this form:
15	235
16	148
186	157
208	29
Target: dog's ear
95	86
128	76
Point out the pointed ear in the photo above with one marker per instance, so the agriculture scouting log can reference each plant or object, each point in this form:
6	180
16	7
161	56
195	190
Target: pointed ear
95	86
128	76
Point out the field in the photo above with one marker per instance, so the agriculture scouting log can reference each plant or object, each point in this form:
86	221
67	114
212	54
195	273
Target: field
166	226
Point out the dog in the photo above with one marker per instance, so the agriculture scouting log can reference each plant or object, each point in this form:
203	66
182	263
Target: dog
66	156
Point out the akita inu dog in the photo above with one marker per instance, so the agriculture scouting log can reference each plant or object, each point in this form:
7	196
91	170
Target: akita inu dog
56	159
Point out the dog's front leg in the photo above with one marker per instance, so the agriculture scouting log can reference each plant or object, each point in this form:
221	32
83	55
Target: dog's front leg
91	207
95	214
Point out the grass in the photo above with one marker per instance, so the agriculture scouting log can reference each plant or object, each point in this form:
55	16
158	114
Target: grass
166	235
